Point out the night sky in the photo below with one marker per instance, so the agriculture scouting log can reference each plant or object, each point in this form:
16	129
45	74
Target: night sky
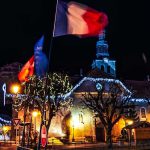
23	23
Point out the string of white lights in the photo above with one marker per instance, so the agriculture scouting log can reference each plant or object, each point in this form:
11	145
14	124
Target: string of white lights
5	121
139	100
97	80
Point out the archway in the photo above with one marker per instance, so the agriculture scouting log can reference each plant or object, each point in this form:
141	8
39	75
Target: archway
66	126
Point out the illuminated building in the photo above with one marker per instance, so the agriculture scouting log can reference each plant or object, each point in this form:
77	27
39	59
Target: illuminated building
83	124
78	124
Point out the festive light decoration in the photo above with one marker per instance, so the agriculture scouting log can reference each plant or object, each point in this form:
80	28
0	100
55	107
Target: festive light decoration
4	90
35	113
98	80
16	88
43	94
20	96
129	122
53	88
5	121
139	100
98	86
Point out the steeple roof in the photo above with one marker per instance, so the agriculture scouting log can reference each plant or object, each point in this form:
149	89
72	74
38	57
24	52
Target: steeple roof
102	46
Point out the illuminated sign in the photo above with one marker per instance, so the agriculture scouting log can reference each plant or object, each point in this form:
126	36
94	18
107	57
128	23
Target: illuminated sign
98	86
43	136
4	90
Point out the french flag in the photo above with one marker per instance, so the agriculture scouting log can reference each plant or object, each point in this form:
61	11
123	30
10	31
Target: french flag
78	19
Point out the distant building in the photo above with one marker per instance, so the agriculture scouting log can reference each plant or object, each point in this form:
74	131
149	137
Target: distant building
8	75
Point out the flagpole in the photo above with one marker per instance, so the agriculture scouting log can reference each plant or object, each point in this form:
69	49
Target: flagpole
51	40
55	18
49	57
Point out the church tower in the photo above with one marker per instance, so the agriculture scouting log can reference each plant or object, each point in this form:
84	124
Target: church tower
102	61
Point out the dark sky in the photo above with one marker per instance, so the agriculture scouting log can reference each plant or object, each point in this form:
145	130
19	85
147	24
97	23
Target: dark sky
23	23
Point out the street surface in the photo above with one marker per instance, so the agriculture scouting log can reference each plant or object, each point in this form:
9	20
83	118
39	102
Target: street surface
8	147
98	146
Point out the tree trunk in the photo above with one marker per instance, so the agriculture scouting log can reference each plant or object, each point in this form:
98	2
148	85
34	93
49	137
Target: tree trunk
49	123
29	135
23	134
48	126
109	138
39	141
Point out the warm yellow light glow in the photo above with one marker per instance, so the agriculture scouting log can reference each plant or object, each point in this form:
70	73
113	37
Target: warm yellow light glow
6	128
75	121
57	130
129	122
35	113
15	88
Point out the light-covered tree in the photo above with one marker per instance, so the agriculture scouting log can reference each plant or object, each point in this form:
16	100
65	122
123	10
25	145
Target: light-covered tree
46	94
109	105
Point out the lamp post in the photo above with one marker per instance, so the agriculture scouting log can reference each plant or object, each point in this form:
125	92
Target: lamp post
5	130
81	120
34	114
73	133
130	122
95	127
15	88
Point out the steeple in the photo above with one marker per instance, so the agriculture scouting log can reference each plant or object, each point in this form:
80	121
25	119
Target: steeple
102	61
102	46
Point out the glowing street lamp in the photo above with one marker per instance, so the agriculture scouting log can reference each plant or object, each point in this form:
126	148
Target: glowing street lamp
75	123
5	130
15	88
129	122
73	133
34	114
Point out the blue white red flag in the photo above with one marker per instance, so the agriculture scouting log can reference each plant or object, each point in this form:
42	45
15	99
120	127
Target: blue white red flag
41	61
78	19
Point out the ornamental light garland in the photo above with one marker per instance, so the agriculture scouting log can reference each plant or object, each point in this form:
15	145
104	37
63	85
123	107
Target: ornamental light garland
57	78
97	80
79	84
5	121
138	99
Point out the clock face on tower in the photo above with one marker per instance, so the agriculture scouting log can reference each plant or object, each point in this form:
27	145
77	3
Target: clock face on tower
98	86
